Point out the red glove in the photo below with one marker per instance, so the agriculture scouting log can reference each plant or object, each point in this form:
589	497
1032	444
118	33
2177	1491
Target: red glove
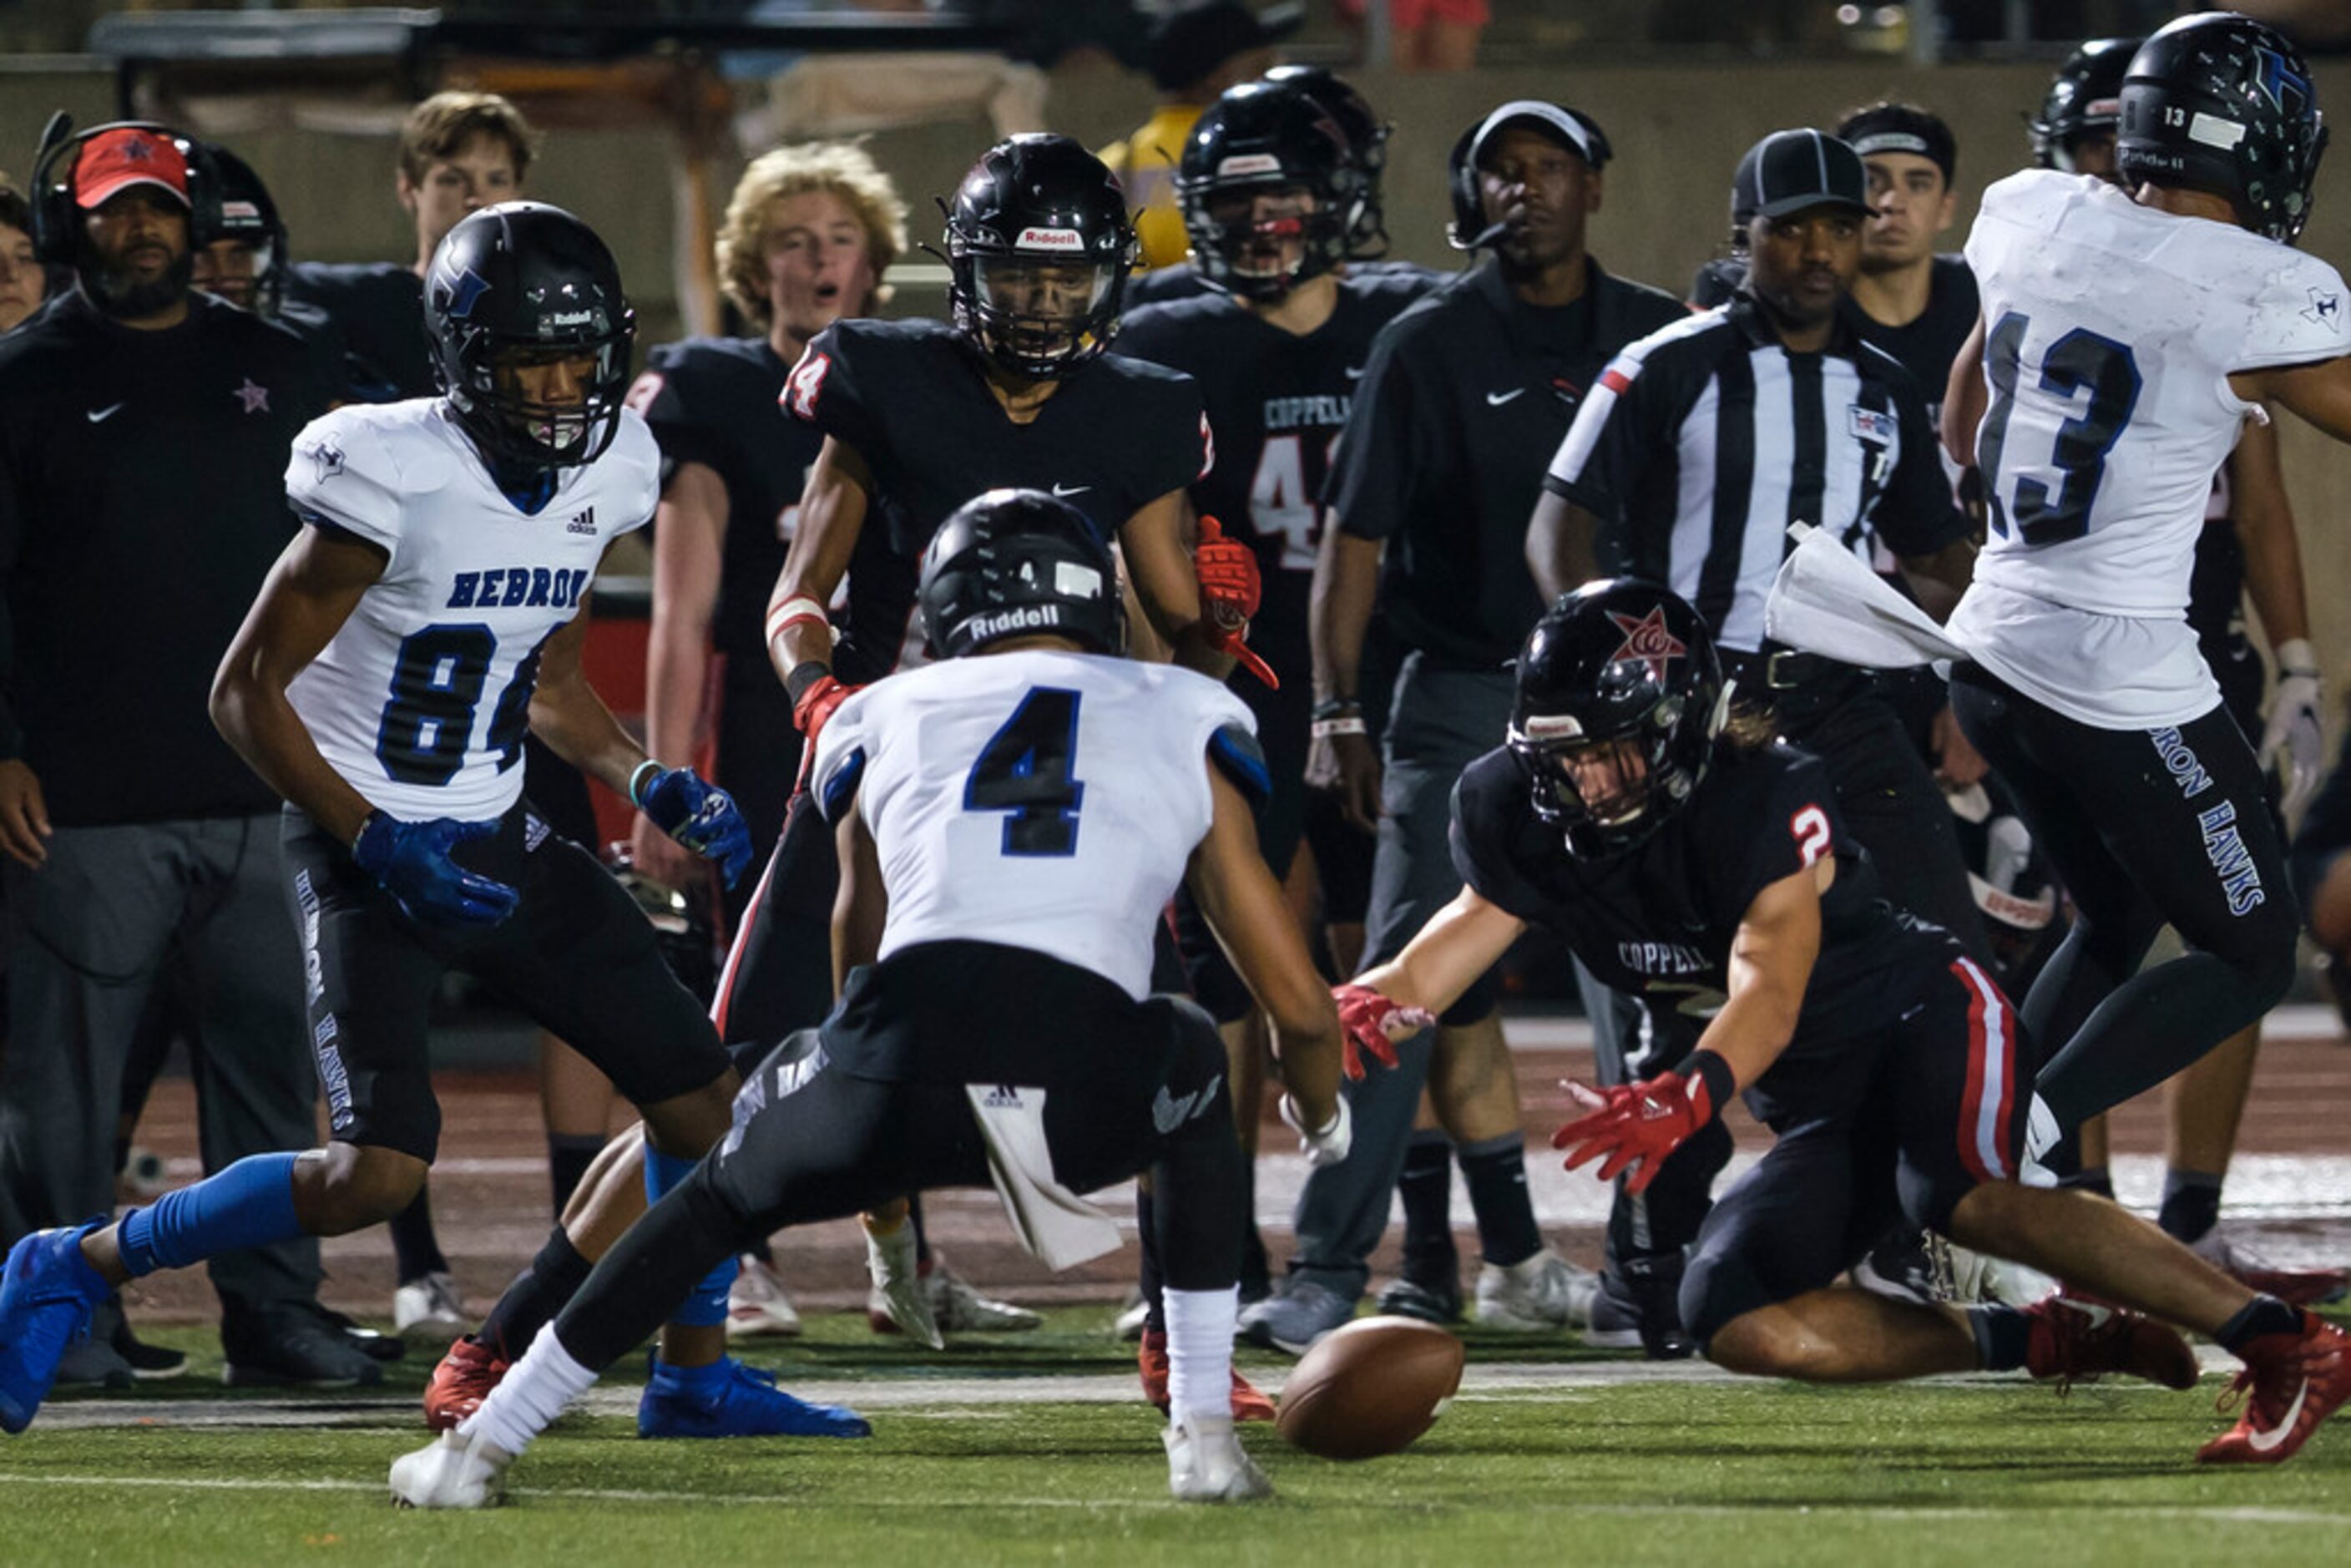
1230	590
1641	1123
1374	1023
825	694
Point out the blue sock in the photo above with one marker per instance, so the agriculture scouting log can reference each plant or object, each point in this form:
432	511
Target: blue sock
251	1204
706	1306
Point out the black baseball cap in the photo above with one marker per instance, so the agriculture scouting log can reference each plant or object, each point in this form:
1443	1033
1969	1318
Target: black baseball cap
1901	128
1790	171
1578	133
1189	43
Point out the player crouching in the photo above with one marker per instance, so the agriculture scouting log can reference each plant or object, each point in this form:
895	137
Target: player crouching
1010	823
1686	865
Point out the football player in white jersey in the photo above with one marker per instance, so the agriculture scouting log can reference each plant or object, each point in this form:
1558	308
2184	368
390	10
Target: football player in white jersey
431	610
2129	333
1010	825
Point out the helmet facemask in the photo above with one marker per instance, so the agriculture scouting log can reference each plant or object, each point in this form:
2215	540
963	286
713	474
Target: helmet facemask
1261	238
516	401
1037	316
1609	792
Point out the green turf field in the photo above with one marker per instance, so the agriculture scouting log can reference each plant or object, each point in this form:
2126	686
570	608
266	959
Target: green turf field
1018	1450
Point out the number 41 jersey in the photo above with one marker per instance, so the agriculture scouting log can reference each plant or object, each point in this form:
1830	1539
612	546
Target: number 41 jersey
422	698
1038	800
2111	330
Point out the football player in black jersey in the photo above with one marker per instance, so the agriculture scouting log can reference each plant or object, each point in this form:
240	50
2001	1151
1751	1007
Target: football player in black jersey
1674	858
1271	192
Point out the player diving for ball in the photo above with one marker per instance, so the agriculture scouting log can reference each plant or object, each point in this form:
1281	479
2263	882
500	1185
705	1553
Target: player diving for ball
1672	858
431	610
1011	821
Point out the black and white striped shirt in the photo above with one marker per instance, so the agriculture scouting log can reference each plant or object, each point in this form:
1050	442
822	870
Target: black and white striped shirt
1701	443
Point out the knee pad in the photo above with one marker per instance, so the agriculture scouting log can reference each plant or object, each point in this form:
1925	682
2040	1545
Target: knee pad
1716	1286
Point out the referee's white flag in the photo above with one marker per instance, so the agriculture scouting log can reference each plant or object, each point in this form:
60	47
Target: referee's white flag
1826	601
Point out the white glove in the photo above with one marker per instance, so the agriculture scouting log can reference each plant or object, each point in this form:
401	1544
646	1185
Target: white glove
2293	724
1326	1145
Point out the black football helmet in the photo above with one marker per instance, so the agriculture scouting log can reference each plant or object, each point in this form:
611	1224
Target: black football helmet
515	282
1260	138
1620	672
1367	141
1039	248
684	931
2219	102
244	210
2085	96
1014	563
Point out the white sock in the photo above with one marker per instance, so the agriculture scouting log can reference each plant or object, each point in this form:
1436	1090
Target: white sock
534	1391
1200	1350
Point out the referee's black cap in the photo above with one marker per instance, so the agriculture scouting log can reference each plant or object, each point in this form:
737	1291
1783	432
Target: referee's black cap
1790	171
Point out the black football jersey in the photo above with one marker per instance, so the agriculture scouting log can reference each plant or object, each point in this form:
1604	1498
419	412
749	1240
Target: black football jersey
379	307
1277	402
1657	920
1926	346
912	401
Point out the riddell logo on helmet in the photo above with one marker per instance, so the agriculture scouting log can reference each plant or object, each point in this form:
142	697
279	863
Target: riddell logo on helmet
1647	640
1240	165
1051	239
1028	618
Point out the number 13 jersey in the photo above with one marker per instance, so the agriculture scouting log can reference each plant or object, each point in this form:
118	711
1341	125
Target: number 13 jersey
2111	330
1039	799
422	699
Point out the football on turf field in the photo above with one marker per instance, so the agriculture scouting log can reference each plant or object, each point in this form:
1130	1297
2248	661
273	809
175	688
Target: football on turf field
1370	1388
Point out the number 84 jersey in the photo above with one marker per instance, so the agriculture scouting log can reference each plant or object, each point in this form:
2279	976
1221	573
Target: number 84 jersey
2111	330
1039	799
422	700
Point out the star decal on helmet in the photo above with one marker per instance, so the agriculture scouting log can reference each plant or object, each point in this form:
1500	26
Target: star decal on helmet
1647	640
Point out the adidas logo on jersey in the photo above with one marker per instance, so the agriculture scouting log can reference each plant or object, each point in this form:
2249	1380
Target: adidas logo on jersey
583	523
518	588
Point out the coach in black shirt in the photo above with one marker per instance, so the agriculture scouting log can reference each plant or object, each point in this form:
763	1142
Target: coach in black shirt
143	434
1436	467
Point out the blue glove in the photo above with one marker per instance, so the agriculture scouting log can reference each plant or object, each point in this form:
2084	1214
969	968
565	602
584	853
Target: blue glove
412	859
701	817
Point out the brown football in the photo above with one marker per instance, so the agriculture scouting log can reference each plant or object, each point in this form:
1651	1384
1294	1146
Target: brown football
1370	1388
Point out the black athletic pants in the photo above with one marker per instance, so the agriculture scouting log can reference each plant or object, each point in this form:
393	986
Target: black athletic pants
2144	828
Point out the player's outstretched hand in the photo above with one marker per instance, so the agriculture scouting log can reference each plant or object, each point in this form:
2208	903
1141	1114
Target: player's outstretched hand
816	704
1632	1124
413	862
1373	1023
1328	1143
2294	726
699	815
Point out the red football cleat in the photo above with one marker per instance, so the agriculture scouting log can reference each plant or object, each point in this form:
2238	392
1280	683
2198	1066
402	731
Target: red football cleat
2294	1287
2290	1382
2078	1341
460	1383
1151	1360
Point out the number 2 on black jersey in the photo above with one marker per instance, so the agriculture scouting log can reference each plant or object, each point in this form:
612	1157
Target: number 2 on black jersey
1024	768
2079	359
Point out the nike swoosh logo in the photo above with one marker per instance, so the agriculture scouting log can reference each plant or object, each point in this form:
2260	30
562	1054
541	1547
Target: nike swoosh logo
2262	1442
1066	491
1355	372
97	413
1496	400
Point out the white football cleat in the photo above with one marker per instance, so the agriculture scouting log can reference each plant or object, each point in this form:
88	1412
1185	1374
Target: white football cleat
1205	1461
451	1472
756	1307
898	1299
1536	1295
428	1303
1130	1324
956	1305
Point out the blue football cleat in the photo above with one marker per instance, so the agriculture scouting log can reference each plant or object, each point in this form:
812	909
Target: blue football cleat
46	1292
732	1400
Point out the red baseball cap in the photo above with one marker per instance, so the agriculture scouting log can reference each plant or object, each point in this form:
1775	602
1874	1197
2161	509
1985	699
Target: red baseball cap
115	160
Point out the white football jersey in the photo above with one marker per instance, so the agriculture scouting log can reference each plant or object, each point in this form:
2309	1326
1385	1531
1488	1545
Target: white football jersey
1038	800
2111	330
422	700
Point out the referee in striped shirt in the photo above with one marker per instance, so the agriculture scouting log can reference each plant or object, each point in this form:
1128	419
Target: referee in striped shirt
1705	440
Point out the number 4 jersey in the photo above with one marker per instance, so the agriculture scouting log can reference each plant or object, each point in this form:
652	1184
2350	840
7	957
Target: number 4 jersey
422	700
2111	330
1045	800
